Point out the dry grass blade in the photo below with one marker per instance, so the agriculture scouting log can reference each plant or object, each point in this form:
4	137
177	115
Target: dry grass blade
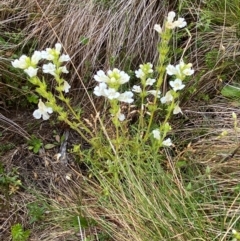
14	127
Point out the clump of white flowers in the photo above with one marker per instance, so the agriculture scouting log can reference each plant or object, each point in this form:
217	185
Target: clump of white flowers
178	73
170	23
54	67
109	88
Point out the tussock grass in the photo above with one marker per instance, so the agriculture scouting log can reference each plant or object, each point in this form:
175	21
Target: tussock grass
117	33
214	48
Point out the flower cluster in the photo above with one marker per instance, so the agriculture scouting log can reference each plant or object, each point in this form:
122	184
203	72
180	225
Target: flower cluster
180	71
54	67
109	85
29	65
159	135
143	73
170	23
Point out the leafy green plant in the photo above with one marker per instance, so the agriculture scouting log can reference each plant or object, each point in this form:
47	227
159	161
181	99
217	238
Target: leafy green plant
112	87
4	147
36	211
9	182
18	233
34	144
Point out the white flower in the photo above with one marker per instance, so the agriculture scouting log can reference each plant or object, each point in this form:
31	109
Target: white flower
101	77
58	47
177	84
137	89
49	68
167	142
117	76
99	90
120	116
177	110
111	93
51	54
126	97
156	134
158	28
181	70
170	17
180	23
21	63
42	111
144	70
64	58
187	69
46	54
63	69
167	98
172	70
150	81
66	86
139	74
170	24
31	71
155	93
36	57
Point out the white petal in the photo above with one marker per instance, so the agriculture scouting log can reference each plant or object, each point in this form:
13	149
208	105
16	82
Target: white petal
167	98
177	84
99	90
31	71
150	81
158	28
66	86
36	57
180	23
171	70
177	110
64	58
64	69
101	77
121	116
171	16
156	134
49	68
45	54
21	63
126	97
37	114
167	142
45	116
137	89
58	47
139	74
49	110
111	93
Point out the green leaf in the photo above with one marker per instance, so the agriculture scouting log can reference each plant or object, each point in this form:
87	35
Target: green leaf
181	163
231	91
32	98
84	40
189	186
49	146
